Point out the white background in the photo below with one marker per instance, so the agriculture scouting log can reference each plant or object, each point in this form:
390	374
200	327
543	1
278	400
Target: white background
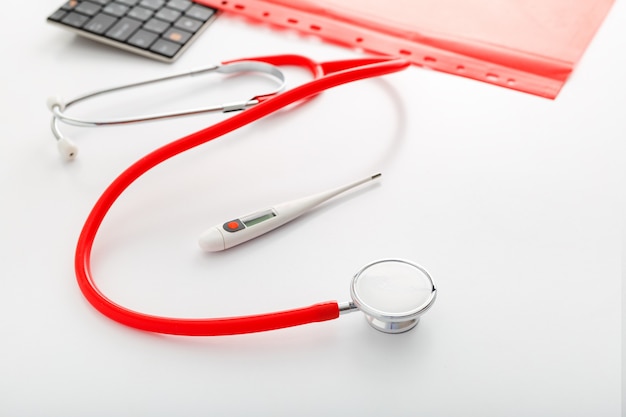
514	204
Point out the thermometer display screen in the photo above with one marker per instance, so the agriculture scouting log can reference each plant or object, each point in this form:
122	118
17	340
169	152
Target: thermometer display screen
257	218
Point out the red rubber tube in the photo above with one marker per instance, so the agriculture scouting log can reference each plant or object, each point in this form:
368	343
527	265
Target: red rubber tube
327	75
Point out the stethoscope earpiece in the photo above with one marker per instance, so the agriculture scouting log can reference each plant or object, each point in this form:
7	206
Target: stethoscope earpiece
53	102
67	148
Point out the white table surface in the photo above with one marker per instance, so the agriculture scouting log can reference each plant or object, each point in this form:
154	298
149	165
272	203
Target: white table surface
514	203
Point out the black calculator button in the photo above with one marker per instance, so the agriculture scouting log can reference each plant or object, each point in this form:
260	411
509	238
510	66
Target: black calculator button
143	39
123	29
88	8
200	12
180	5
169	15
100	23
116	9
156	26
140	13
58	15
152	4
188	24
164	47
74	19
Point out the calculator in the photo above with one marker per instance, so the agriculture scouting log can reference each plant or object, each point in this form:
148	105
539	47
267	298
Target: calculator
158	29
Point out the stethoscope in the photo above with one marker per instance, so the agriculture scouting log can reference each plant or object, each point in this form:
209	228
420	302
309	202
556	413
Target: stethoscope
392	293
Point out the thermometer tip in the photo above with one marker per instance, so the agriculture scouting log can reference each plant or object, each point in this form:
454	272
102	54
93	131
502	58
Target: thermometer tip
376	175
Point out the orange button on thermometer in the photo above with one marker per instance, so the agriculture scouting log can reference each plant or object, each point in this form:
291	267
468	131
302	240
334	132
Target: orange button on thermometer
233	226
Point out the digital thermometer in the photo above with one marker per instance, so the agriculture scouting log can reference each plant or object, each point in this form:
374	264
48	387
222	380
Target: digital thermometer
240	230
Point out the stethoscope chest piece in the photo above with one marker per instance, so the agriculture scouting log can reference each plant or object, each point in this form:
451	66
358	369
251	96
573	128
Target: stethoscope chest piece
393	294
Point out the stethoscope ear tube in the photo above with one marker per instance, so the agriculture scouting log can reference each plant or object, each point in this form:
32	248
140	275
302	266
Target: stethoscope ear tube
58	106
348	71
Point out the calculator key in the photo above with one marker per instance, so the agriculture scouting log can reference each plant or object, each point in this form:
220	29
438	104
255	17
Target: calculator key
169	15
152	4
180	5
75	19
116	9
190	25
200	12
88	8
129	3
156	26
164	47
123	29
58	15
177	35
100	23
140	13
143	39
70	5
101	2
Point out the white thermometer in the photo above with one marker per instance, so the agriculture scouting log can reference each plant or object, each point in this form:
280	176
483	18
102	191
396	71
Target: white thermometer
234	232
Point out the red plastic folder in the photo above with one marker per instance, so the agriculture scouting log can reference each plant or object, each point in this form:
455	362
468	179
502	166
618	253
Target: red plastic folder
527	45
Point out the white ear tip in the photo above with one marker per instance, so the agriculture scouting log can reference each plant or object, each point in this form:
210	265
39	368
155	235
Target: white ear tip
52	102
67	148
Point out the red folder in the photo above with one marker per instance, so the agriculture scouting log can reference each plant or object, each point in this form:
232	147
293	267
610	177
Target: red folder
526	45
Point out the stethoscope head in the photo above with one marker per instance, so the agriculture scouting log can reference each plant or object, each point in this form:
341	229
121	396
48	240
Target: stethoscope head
392	293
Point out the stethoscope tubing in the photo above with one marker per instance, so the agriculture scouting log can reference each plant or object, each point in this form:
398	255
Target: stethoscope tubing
327	75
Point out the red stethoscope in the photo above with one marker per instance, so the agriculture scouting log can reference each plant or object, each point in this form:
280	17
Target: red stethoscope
392	293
